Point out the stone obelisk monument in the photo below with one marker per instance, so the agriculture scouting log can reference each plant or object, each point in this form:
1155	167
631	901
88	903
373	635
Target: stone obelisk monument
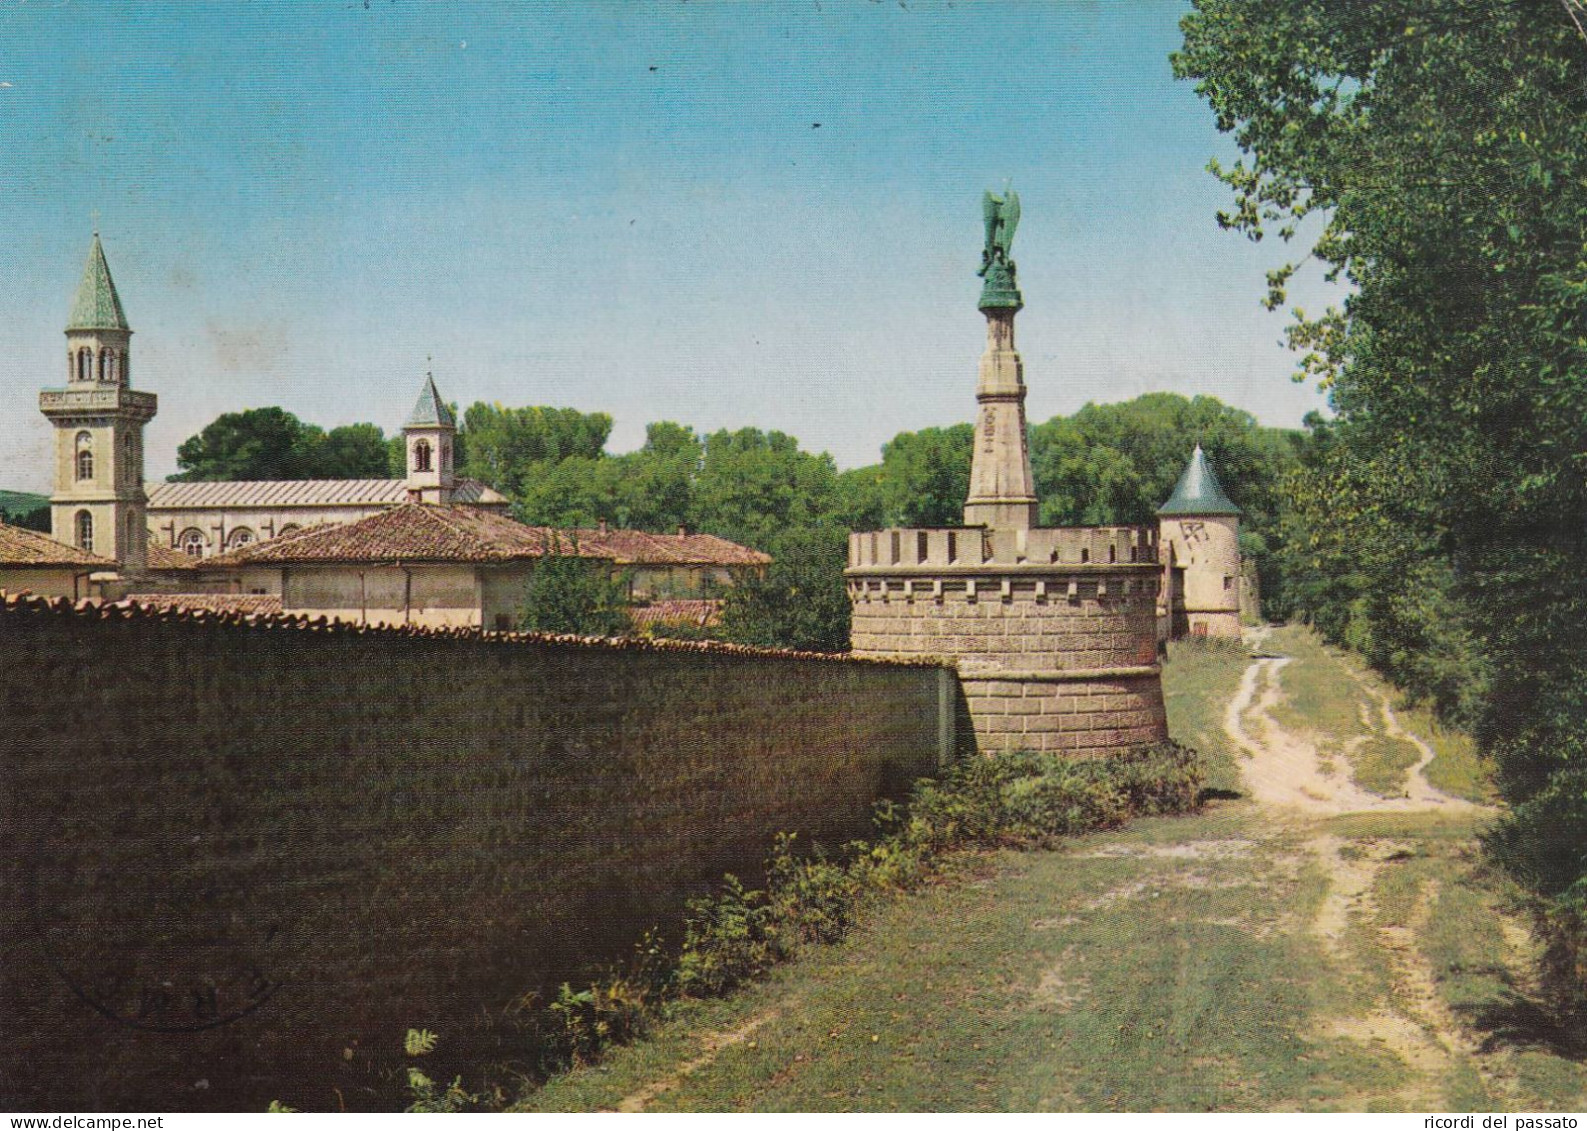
1002	493
1052	632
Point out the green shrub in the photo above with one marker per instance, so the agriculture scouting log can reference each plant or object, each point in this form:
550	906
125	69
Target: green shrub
1563	926
428	1096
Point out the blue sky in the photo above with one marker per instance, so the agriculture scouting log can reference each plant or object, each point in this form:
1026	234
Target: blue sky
723	214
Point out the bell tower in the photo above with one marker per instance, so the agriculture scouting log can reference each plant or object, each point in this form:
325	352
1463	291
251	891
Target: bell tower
430	434
98	503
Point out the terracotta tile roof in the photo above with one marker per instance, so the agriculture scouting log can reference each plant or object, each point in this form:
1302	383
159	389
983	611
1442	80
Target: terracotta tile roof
162	556
635	547
409	533
20	605
702	613
245	603
303	493
19	547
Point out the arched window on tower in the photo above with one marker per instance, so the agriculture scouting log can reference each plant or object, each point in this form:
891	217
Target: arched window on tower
102	360
85	531
421	455
85	456
84	358
110	365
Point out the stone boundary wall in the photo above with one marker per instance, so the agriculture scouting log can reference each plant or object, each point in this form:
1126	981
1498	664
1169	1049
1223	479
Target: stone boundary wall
245	854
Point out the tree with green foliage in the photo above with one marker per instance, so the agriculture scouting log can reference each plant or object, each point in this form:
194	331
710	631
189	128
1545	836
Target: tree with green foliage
257	443
801	601
575	596
271	443
927	476
753	485
508	448
1433	153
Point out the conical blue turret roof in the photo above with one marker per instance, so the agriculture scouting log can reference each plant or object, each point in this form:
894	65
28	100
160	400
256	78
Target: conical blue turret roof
1198	490
97	306
431	411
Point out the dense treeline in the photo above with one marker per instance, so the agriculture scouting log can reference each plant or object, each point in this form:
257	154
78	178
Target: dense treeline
271	443
1439	525
1105	464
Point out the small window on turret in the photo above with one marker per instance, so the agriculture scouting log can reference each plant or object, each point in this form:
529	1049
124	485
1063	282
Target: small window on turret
421	456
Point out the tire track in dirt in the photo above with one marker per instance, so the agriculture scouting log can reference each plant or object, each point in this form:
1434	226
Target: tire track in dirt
713	1044
1287	769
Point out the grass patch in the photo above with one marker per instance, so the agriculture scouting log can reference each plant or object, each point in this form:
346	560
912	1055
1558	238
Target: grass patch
1200	677
1479	957
1380	764
1457	767
1319	695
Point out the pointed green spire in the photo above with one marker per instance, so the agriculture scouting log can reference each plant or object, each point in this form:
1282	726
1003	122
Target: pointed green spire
97	306
431	411
1198	490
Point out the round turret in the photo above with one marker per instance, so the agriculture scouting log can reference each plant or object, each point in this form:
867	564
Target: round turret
1200	536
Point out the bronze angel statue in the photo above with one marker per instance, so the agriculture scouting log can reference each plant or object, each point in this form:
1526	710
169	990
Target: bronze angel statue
1002	217
1001	291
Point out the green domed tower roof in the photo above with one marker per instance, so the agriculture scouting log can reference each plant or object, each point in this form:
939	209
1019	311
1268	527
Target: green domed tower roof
97	306
1198	491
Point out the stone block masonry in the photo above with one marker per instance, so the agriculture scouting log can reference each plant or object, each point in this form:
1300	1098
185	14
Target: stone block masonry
244	856
1053	631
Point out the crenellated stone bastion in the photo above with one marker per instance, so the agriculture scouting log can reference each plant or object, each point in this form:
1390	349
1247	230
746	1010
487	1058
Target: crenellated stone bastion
1053	630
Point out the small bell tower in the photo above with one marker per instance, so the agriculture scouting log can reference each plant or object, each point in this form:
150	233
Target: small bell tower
430	433
98	503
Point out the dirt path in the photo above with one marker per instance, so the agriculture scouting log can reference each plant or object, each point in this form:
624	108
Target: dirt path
1286	773
1286	769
